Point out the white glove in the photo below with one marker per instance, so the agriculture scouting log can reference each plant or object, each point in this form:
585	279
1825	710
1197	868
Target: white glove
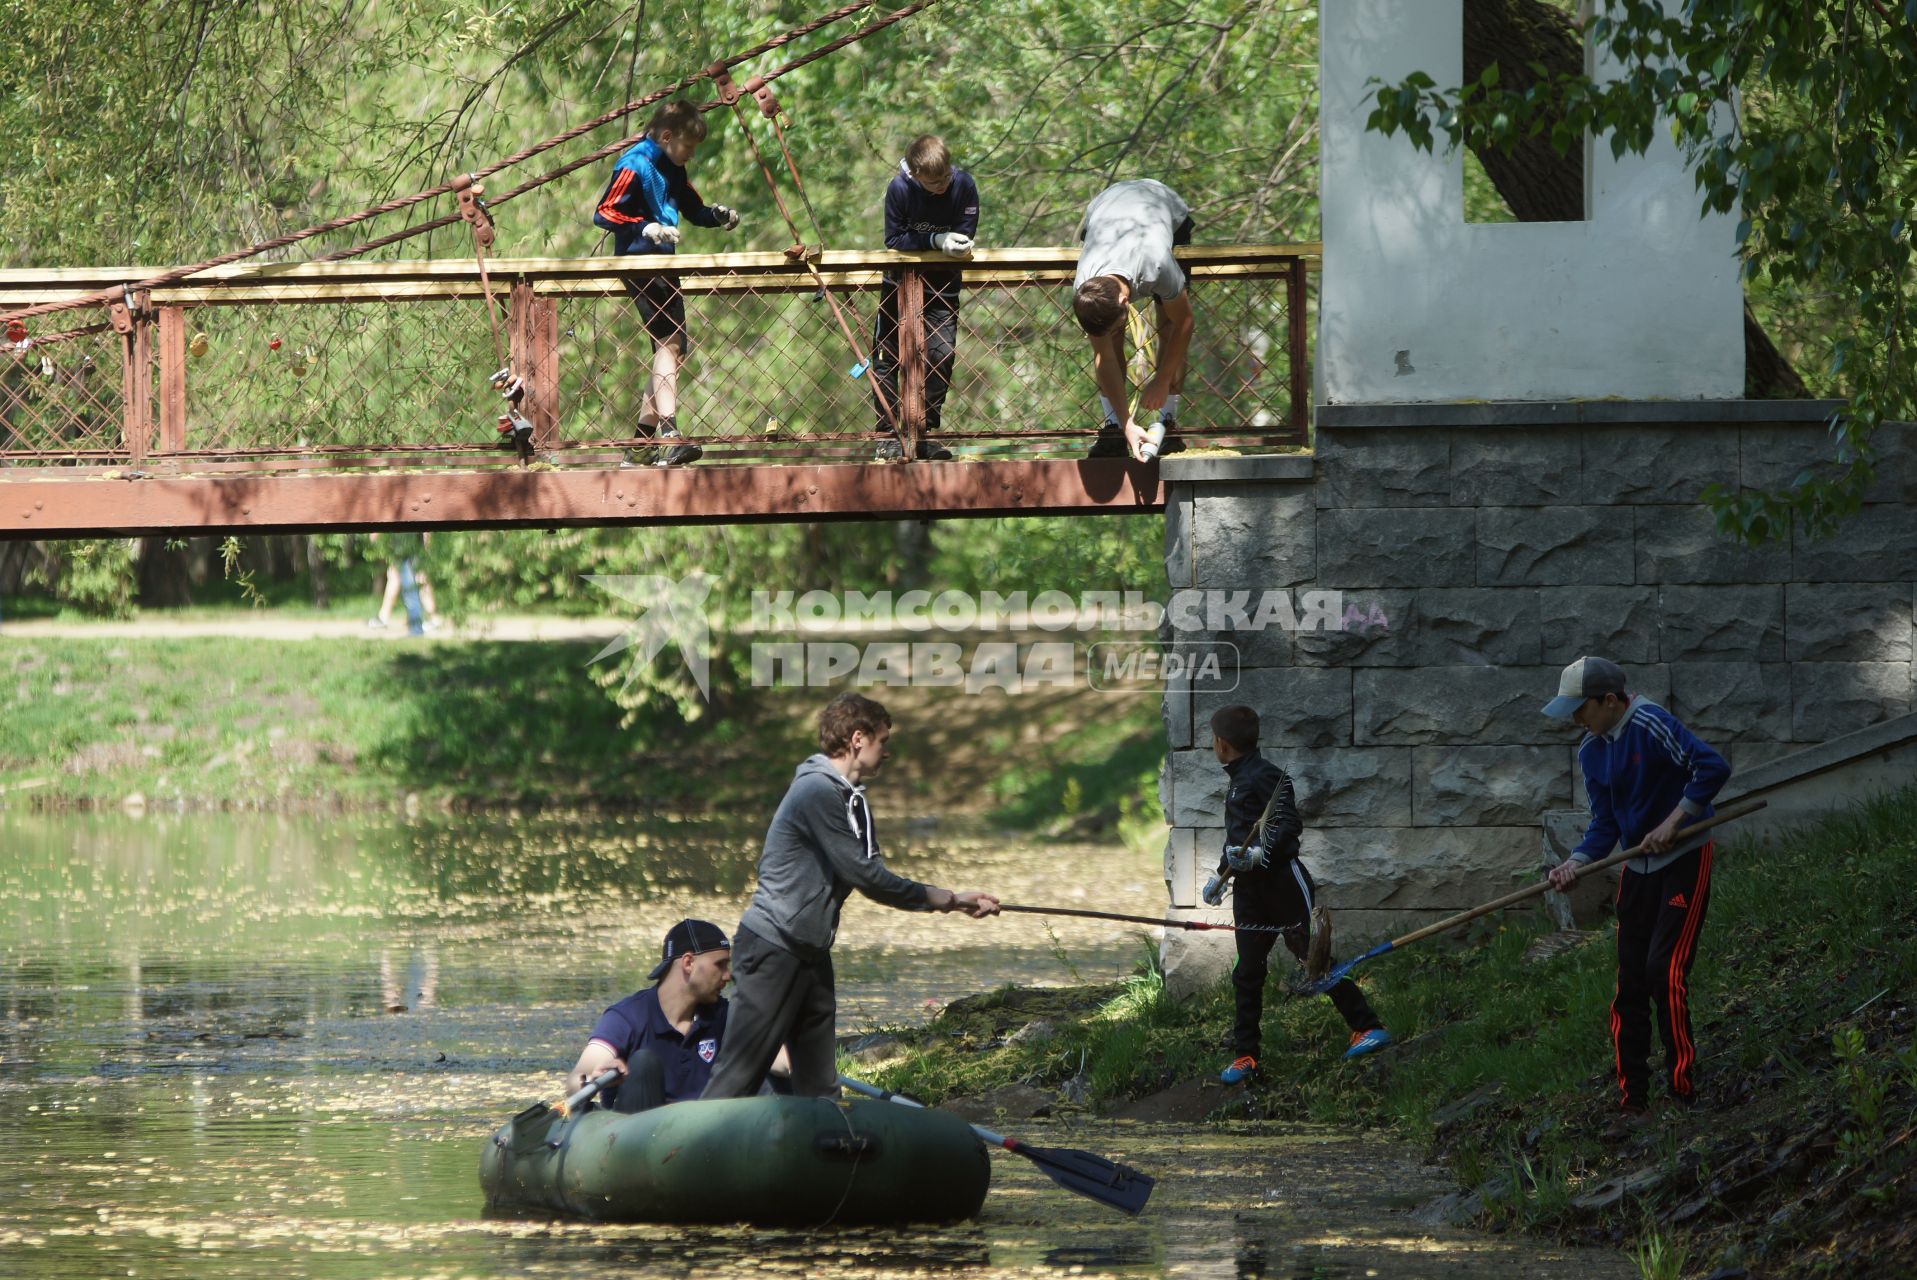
728	217
660	233
1214	894
1241	857
952	243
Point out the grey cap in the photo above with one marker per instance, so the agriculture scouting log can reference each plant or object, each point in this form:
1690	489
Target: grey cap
1585	678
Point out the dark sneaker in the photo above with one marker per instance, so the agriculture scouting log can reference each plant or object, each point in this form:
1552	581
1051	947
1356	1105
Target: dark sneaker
1110	443
642	453
1173	442
679	454
1240	1069
1629	1119
932	451
515	434
889	450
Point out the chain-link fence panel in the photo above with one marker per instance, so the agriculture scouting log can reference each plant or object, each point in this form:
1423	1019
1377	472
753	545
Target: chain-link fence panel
63	402
313	377
390	361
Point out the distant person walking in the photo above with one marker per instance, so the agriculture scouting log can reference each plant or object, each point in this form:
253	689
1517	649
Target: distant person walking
405	571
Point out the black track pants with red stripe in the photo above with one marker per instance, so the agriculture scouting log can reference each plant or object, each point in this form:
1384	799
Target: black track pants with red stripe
1659	917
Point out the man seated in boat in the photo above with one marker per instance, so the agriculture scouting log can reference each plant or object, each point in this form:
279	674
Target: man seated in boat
664	1038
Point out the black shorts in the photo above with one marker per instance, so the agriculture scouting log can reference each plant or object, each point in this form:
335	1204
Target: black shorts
662	308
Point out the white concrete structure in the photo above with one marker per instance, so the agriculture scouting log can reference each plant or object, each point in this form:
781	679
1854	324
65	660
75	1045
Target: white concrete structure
1641	300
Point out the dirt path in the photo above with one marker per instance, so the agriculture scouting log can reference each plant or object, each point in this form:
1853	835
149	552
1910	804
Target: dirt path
273	626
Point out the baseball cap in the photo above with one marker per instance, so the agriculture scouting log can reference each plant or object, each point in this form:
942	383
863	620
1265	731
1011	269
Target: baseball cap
1585	678
688	938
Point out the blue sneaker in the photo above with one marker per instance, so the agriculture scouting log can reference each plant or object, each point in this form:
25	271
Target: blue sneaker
1240	1069
1363	1042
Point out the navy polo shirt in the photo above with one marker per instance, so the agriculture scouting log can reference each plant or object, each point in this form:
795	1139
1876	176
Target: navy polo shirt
637	1022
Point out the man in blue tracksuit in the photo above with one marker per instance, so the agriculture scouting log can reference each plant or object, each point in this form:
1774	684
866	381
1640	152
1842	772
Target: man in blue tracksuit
1646	776
930	206
644	204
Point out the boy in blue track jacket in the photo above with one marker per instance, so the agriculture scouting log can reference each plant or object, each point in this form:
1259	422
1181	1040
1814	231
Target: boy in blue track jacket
644	205
929	207
1646	775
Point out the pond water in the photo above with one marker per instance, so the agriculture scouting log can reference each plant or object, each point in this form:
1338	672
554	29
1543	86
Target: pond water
245	1045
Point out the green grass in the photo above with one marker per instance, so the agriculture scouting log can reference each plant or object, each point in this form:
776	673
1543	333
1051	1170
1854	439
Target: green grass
238	722
1802	1009
243	722
1112	772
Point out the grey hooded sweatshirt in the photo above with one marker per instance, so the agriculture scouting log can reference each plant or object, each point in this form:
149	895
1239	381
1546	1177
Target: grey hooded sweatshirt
819	848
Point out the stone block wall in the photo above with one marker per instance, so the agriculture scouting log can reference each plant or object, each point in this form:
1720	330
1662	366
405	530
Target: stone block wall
1487	557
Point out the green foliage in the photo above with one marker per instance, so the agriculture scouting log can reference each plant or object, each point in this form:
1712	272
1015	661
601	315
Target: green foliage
93	576
177	131
172	132
1660	1256
1797	115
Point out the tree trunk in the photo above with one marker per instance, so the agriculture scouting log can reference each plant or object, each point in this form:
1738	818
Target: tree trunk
911	560
1540	185
1536	182
162	575
316	567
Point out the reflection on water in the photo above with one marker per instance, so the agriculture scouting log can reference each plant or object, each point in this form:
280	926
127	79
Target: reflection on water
270	1045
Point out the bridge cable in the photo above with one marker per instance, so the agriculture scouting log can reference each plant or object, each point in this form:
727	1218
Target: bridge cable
177	274
613	149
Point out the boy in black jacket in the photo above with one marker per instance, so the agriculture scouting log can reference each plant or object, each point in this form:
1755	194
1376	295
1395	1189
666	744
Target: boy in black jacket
1273	889
929	206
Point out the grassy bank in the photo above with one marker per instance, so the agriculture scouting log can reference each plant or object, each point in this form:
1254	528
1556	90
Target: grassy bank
1796	1162
242	722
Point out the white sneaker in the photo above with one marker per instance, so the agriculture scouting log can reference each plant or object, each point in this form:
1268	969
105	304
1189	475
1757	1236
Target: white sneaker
376	622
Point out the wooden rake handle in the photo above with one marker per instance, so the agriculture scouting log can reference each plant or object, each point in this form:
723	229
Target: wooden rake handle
1531	891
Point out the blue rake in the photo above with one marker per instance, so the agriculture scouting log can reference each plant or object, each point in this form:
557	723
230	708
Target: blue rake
1323	985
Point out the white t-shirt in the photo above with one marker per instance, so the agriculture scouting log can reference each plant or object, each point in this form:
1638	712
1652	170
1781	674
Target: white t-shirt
1128	231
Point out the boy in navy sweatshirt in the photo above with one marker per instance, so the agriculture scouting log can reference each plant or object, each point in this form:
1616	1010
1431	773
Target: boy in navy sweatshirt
929	206
643	205
1646	776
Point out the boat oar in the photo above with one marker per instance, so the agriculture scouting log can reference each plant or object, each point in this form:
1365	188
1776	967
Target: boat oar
566	1106
1154	920
1107	1181
1322	985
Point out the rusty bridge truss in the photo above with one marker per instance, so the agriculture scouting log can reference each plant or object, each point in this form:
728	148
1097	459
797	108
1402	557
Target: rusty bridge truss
355	394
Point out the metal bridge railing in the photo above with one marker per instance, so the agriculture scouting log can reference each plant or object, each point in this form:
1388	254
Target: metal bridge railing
356	364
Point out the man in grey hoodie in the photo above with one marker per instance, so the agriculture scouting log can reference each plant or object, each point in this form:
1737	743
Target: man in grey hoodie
819	848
